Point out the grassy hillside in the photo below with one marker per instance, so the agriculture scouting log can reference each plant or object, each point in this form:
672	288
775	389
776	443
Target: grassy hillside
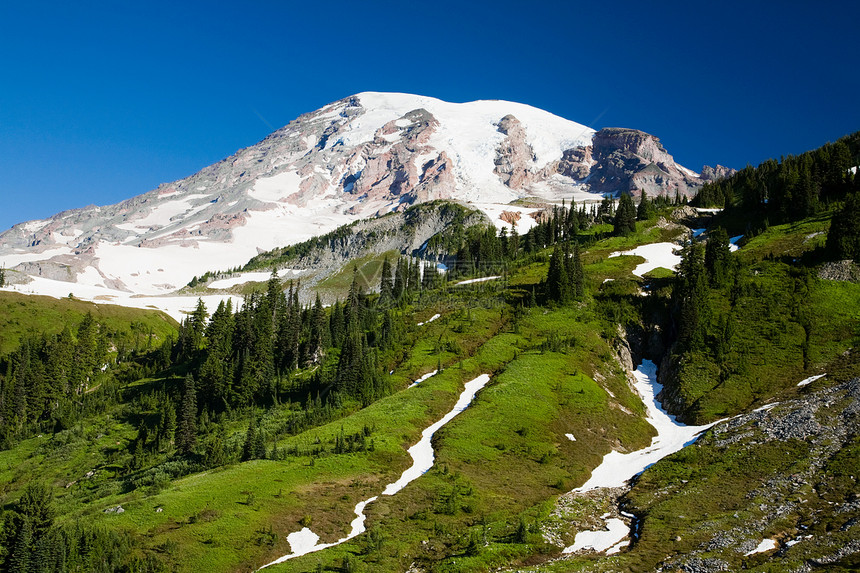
285	443
22	314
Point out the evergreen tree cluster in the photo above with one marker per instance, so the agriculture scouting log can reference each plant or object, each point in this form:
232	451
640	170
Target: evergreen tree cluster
624	222
30	541
795	187
565	280
51	381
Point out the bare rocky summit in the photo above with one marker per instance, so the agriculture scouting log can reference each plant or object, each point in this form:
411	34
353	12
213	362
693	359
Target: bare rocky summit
632	160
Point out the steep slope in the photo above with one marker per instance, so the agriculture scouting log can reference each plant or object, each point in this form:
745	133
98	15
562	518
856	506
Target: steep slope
365	155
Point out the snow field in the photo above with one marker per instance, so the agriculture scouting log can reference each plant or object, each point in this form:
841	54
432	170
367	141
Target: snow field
423	378
655	255
275	188
177	307
243	278
610	538
422	452
733	243
810	380
473	281
469	134
160	215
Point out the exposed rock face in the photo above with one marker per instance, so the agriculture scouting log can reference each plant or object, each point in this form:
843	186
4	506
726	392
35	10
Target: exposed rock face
510	217
576	163
406	232
631	160
514	157
716	173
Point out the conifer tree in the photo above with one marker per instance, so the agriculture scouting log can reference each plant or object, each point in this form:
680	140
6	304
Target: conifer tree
577	280
625	217
319	335
386	286
843	238
197	325
692	292
21	558
186	436
557	282
336	324
400	280
717	256
645	210
254	445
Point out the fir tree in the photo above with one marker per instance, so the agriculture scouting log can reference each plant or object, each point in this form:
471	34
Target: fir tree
186	436
400	280
386	286
21	557
843	238
319	335
249	448
717	256
625	217
577	280
557	281
645	210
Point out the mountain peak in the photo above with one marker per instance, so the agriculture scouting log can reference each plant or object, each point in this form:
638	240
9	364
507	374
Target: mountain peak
361	156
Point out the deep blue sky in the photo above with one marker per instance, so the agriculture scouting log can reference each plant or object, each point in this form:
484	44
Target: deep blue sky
103	101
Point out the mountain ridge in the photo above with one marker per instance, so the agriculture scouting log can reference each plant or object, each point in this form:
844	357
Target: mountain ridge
358	157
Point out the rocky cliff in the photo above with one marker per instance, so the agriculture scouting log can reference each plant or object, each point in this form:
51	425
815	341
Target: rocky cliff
631	160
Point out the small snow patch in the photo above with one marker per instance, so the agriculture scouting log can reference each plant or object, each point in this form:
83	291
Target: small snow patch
603	540
432	318
570	437
810	380
765	408
766	545
480	280
423	378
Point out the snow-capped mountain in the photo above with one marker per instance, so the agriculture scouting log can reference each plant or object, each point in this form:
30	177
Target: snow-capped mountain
368	154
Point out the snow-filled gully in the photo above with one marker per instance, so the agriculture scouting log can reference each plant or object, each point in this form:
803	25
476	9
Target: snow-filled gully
617	468
306	541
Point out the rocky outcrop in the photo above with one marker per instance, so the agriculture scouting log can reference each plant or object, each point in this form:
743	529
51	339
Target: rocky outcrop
575	163
406	232
716	173
845	270
510	217
816	511
514	156
390	172
629	160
